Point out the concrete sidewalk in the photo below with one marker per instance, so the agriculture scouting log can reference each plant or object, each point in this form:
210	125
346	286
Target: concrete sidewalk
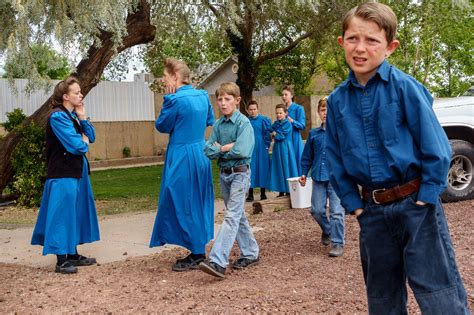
122	236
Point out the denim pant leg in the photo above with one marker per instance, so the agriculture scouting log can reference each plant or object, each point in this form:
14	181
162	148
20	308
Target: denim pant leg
318	205
430	263
234	188
246	240
336	217
382	263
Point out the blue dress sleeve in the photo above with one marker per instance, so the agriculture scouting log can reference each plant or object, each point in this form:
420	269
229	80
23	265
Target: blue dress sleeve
266	129
283	130
64	129
299	122
166	120
88	130
210	114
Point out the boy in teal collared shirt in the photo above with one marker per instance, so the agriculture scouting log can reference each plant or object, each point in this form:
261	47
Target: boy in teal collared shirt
231	143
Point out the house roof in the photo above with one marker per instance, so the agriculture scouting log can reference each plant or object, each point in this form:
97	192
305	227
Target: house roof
216	70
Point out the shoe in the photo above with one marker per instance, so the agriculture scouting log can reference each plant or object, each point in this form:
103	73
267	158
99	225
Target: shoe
282	194
264	197
249	199
212	268
66	268
82	261
325	239
189	262
243	262
336	251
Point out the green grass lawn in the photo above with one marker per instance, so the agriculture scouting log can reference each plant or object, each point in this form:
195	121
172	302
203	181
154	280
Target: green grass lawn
133	189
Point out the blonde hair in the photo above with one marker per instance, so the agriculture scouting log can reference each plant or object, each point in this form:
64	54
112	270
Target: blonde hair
323	102
379	13
62	88
282	107
173	65
229	88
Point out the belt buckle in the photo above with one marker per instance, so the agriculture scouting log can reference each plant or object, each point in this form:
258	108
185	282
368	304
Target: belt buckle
373	195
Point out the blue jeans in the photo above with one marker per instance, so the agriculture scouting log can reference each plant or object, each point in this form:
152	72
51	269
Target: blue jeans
334	225
235	226
403	241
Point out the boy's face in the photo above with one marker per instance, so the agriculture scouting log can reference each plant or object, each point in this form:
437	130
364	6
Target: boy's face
366	47
322	114
227	104
280	113
252	110
286	97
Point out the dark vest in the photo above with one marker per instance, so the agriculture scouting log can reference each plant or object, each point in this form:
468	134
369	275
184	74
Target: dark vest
60	162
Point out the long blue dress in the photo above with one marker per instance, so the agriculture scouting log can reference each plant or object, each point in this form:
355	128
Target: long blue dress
283	164
260	163
186	206
296	112
67	215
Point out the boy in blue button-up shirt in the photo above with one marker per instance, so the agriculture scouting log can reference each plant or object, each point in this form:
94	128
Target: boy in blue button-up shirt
314	158
383	135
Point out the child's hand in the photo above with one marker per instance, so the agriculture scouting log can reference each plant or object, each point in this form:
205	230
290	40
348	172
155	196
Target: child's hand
227	147
302	180
85	138
170	89
290	119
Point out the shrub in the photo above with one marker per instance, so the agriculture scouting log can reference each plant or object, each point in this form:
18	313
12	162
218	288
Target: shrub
14	119
28	161
126	152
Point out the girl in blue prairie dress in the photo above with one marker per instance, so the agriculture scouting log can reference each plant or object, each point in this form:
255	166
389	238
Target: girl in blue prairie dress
283	163
297	118
67	215
186	204
260	162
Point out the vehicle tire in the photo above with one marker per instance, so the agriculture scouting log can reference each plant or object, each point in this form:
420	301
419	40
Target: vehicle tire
460	181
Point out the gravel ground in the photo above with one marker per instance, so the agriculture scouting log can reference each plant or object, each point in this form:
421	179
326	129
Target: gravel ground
295	275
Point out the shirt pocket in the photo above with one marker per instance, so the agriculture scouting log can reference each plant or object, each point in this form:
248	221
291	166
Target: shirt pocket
389	120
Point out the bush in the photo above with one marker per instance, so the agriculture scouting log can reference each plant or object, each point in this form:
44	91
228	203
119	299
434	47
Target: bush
28	161
126	152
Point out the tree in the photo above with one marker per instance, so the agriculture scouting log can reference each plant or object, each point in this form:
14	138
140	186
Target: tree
98	30
48	63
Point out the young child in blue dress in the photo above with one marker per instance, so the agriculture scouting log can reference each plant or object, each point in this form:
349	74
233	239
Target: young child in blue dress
283	163
67	215
260	163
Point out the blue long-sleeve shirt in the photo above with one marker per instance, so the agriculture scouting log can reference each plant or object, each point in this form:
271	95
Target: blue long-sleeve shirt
64	130
384	134
235	129
314	155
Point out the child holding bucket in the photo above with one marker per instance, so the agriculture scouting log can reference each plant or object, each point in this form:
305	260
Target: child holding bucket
283	163
314	158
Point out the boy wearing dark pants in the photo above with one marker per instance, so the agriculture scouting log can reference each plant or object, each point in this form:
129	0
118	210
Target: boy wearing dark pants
314	158
231	143
383	135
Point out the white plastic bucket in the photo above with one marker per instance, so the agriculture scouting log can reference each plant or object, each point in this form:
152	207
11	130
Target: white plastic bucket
300	195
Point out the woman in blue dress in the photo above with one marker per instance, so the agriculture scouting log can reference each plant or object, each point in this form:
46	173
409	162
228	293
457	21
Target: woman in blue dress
297	118
260	162
186	204
67	215
283	163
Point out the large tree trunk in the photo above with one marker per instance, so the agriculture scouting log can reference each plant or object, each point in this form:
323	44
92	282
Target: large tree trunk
89	70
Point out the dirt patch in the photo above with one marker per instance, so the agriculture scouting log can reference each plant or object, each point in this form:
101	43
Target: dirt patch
295	275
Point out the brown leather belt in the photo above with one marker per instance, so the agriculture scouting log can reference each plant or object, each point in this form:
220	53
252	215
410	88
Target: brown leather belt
385	196
236	169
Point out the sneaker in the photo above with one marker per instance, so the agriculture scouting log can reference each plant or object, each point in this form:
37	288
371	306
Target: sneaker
66	268
189	262
325	239
243	262
82	261
263	197
336	251
212	268
249	199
